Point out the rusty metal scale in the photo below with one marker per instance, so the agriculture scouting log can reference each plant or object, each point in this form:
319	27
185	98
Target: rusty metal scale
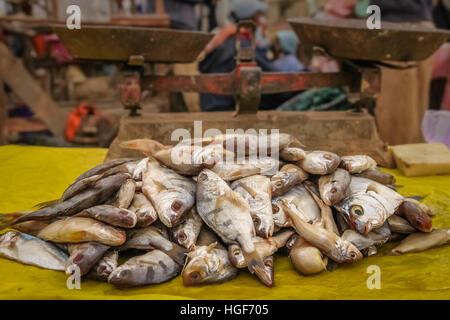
343	132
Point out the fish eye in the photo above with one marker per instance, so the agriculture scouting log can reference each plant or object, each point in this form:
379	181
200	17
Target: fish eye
236	252
352	255
275	208
357	210
194	276
279	184
182	236
176	206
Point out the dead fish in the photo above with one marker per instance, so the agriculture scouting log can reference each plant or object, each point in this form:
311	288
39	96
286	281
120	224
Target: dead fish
289	176
307	260
207	236
84	256
29	250
357	164
257	191
103	190
325	211
280	218
171	194
228	214
358	240
230	171
141	166
298	201
400	225
105	266
30	227
377	175
329	243
207	265
186	233
333	187
416	217
100	169
266	248
368	204
418	242
320	162
152	238
78	229
425	208
144	210
292	154
125	194
151	268
112	215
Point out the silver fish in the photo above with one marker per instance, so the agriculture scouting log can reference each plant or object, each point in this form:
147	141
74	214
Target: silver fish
289	176
151	268
357	164
78	229
418	242
84	256
144	210
103	190
186	233
307	260
333	187
105	266
329	243
325	211
104	167
206	265
152	238
376	237
298	201
125	194
111	215
230	171
292	154
280	218
257	191
228	214
377	175
400	225
171	194
29	250
368	204
320	162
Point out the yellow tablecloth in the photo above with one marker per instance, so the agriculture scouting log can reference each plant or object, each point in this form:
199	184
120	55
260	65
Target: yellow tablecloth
30	175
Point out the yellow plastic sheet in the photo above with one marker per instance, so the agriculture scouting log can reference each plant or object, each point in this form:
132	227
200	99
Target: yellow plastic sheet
30	175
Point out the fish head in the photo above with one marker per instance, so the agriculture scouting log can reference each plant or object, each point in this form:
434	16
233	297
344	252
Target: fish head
205	265
321	162
348	252
362	212
184	237
236	256
172	206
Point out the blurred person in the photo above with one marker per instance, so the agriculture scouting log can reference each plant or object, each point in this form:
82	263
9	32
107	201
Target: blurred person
221	51
182	13
404	96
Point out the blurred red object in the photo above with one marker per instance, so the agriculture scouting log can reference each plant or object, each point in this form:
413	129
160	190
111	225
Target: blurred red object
75	118
40	45
340	8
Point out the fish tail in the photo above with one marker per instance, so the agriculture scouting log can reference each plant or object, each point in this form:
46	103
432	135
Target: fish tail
8	219
257	266
146	146
177	253
46	204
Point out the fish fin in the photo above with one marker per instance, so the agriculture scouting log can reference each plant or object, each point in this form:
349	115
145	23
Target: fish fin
177	253
257	266
211	246
8	219
146	146
46	204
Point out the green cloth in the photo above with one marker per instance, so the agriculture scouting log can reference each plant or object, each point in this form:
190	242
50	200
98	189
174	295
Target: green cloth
323	99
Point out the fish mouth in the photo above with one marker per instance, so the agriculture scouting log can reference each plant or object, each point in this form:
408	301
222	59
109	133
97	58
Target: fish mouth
265	275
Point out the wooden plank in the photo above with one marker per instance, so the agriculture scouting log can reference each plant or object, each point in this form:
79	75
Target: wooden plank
3	116
13	73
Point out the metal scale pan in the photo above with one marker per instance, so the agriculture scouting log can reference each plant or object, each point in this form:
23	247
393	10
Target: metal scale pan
351	39
121	43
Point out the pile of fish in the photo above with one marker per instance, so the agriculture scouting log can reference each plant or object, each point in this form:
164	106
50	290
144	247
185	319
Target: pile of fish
200	210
